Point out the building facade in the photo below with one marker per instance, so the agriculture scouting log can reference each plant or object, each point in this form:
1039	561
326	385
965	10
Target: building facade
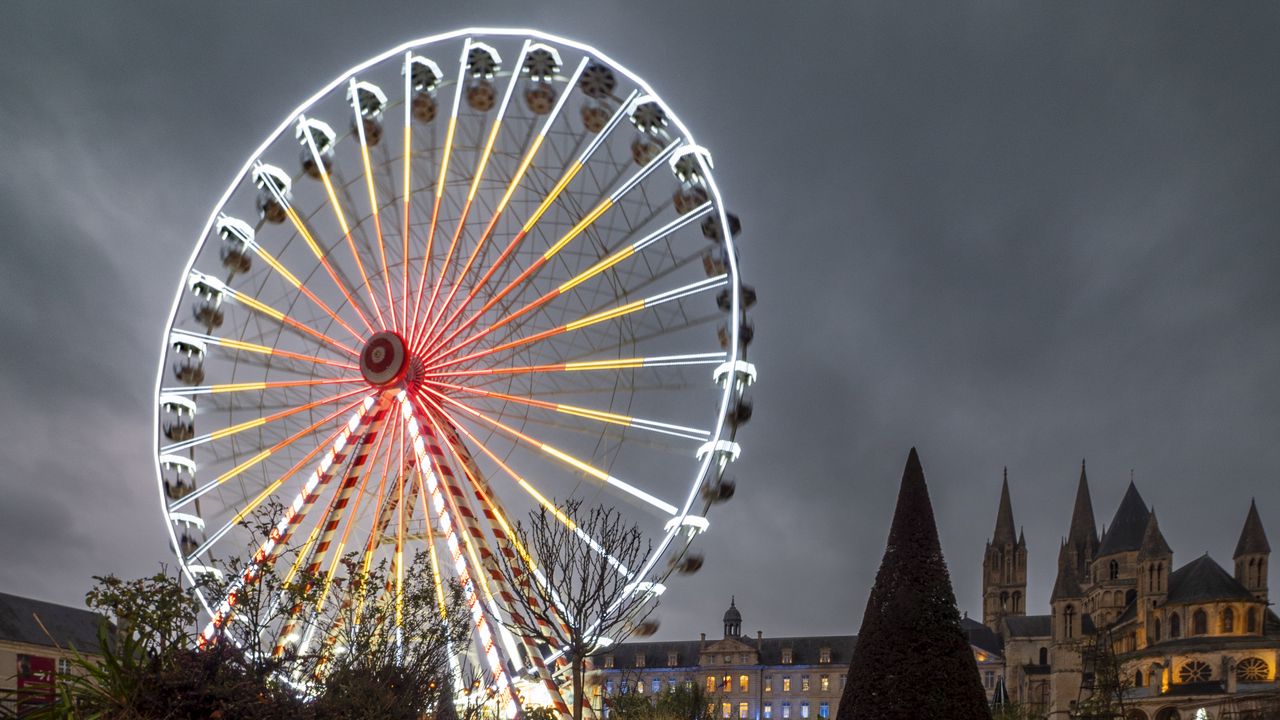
752	678
38	640
1128	629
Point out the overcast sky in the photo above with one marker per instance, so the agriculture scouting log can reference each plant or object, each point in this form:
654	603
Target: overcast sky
1006	233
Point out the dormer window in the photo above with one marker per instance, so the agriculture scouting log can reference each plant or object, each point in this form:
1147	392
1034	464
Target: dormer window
786	656
824	655
673	659
639	659
608	661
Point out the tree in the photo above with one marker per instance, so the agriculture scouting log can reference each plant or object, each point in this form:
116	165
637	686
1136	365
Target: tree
912	660
581	596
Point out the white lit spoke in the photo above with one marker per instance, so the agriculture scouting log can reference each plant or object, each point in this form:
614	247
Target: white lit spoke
373	200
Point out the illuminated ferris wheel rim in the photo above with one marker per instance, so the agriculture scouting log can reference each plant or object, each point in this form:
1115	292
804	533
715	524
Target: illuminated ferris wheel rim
721	442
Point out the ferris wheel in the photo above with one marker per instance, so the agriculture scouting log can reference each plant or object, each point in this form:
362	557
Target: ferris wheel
482	272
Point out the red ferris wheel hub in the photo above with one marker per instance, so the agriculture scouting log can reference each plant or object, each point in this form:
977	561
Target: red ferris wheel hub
385	359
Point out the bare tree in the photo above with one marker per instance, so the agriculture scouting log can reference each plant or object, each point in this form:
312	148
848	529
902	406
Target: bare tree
585	590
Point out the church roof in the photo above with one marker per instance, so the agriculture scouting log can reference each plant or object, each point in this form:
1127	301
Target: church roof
1004	534
1253	539
1126	529
1083	529
1029	625
1153	542
1066	586
1204	579
68	626
981	636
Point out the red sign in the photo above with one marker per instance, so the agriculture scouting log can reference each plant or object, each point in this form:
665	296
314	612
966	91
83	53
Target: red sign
35	682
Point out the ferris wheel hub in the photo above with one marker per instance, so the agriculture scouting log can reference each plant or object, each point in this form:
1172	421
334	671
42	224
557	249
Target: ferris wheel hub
385	359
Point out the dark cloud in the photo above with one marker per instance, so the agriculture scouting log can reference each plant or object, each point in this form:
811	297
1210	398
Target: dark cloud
1008	234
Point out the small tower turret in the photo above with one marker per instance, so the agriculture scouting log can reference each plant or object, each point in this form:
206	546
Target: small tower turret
1252	554
732	620
1004	567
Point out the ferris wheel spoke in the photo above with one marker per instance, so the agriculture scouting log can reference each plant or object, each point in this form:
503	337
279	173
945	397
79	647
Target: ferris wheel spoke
373	200
714	358
407	71
253	386
655	426
293	280
320	254
279	316
259	422
242	346
431	313
501	207
587	321
439	192
260	457
563	457
574	168
341	216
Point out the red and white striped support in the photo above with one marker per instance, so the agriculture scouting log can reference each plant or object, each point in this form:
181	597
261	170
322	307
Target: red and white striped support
505	593
296	512
489	646
337	510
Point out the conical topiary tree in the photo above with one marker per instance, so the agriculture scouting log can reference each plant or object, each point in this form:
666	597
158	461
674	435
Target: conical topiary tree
912	661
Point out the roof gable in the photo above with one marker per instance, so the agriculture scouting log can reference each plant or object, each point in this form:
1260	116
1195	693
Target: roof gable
1204	579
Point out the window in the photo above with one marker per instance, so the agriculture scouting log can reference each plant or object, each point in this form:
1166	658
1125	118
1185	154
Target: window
656	685
1194	671
1199	623
1069	615
1228	621
711	684
745	659
725	709
824	710
639	659
596	691
673	659
726	683
1044	656
824	683
608	661
786	710
767	711
1251	620
608	687
639	686
824	655
624	687
988	679
786	656
64	666
804	683
744	683
768	684
1252	670
804	709
1137	679
786	684
1113	570
744	710
1155	630
1175	626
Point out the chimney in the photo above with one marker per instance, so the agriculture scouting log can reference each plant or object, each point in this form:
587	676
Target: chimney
759	640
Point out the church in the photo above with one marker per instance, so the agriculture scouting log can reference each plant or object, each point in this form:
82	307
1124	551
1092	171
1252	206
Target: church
1129	633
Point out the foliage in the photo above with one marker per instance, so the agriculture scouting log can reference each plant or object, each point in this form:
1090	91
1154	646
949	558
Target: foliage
683	702
581	596
155	665
912	660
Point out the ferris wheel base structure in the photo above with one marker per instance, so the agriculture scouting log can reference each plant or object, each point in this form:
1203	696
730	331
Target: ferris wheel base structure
484	288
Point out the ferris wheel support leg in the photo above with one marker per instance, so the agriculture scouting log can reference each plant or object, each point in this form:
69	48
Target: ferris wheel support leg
501	531
491	650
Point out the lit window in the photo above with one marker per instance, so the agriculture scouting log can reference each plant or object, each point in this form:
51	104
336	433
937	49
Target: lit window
639	686
671	682
639	659
623	687
673	659
743	683
1252	670
725	709
786	656
824	655
608	687
804	683
824	710
767	710
711	684
786	710
824	683
726	683
596	691
744	709
608	661
656	685
768	684
786	684
804	709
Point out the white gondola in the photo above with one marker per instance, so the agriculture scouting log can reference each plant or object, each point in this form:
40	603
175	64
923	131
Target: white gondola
483	62
177	417
178	475
274	188
424	77
371	102
540	66
208	294
236	236
317	140
188	359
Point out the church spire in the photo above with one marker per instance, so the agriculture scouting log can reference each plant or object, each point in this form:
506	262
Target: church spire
1253	539
1004	533
1082	538
1153	543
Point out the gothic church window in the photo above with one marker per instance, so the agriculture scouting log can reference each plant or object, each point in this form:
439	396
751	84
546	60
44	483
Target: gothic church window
1194	671
1251	620
1155	630
1070	616
1175	626
1137	679
1199	623
1252	670
1044	656
1113	570
1228	620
